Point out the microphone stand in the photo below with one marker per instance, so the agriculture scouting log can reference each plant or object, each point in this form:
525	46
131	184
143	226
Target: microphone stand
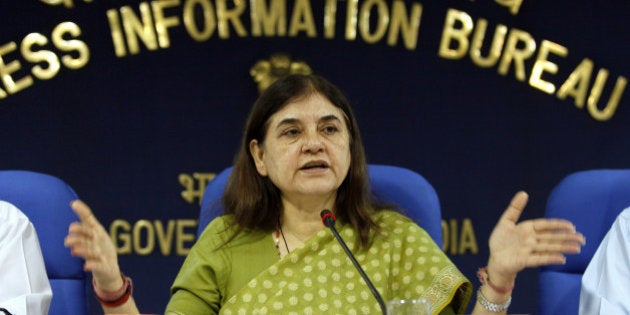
329	219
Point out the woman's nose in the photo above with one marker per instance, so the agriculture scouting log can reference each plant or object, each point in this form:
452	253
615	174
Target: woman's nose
312	142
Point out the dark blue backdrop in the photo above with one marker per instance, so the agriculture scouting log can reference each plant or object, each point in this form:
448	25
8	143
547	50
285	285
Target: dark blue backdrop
122	129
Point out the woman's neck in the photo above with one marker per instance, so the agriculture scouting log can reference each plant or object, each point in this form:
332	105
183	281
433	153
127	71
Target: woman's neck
300	219
300	225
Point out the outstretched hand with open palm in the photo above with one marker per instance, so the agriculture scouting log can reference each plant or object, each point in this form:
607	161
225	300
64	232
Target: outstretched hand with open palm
515	245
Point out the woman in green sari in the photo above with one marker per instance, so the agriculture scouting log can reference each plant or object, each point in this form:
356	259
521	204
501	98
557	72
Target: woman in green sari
301	153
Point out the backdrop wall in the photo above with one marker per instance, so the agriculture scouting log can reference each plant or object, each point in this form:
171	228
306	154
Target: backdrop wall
136	104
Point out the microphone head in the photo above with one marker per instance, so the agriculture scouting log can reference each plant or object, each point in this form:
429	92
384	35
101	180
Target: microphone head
328	218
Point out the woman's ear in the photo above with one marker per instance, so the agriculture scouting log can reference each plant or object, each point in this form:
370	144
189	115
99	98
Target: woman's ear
257	154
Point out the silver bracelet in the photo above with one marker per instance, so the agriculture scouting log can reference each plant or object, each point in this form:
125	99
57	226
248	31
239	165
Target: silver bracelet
492	307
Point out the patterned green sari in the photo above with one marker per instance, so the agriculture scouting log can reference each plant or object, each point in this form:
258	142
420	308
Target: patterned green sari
318	278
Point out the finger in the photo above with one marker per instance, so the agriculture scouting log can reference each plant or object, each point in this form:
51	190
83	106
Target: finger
77	244
514	210
71	241
84	212
85	251
561	237
557	248
545	259
554	225
78	250
79	229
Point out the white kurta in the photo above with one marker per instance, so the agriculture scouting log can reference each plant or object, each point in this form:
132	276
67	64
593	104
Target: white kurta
606	281
24	287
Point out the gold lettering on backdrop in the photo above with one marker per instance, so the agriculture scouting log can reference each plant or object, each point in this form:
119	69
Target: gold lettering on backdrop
139	28
407	27
149	27
382	20
608	111
513	5
454	43
459	239
514	48
577	85
66	3
165	235
132	29
119	233
227	16
194	185
270	20
496	45
396	23
543	65
330	12
185	239
47	58
190	21
116	33
59	39
515	55
148	237
468	241
162	22
302	19
46	62
141	237
352	10
8	69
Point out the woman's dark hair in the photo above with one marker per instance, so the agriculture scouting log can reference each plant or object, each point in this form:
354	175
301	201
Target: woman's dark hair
255	202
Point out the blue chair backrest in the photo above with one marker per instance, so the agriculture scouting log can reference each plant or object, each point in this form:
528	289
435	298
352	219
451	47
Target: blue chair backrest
591	200
45	200
396	185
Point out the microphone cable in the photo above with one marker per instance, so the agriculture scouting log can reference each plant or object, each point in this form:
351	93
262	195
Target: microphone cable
329	219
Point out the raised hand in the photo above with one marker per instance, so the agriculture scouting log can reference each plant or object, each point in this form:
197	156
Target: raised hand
89	240
515	245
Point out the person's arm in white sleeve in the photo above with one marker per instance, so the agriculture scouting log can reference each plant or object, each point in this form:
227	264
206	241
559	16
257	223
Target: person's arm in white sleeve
24	286
606	281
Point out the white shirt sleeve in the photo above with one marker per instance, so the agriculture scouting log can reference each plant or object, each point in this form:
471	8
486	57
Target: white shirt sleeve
606	281
24	286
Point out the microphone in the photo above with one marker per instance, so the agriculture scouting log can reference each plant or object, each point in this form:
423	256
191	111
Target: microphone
328	218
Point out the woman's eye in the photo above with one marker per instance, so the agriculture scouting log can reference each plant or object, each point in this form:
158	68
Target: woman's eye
291	132
330	129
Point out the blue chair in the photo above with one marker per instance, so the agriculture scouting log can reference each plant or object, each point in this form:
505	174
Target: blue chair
591	200
400	186
46	200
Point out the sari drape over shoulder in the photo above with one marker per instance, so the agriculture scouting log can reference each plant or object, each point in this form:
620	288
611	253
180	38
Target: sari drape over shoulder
402	262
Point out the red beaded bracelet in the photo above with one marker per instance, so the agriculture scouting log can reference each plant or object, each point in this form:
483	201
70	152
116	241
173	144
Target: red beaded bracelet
115	298
482	274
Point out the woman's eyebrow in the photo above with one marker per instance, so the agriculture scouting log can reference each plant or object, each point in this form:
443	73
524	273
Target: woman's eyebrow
294	121
330	117
287	121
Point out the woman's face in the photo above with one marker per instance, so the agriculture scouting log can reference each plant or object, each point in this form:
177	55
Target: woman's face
306	150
